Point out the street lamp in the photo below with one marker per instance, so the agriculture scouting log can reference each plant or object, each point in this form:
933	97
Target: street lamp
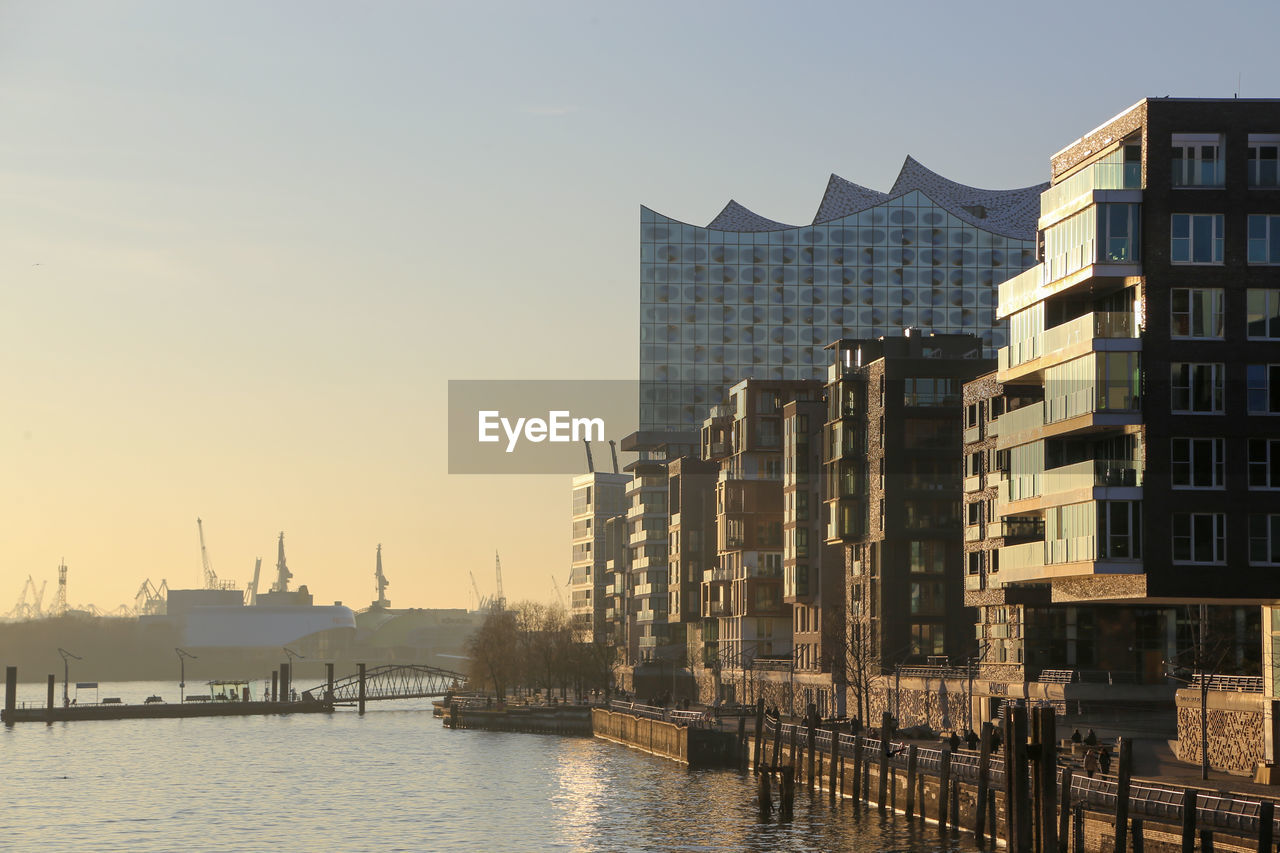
183	654
66	669
292	672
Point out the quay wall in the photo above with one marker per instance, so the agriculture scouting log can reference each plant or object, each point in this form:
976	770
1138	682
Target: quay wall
1238	723
695	747
560	721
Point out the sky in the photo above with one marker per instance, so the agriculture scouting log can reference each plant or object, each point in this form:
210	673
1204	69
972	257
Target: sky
244	246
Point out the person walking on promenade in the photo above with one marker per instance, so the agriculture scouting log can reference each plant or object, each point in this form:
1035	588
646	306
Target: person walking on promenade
1091	762
1091	739
971	739
1075	737
1104	760
954	741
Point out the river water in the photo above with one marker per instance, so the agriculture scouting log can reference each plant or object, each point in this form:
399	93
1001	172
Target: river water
394	779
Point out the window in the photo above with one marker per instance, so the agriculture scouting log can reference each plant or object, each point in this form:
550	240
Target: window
1196	238
1263	148
1119	530
1118	228
1197	312
1197	463
1263	389
973	514
1264	463
928	598
1199	537
1264	239
928	557
1263	314
1197	160
1264	540
1197	388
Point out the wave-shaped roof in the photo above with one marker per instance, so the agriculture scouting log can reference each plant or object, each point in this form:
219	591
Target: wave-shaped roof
1010	213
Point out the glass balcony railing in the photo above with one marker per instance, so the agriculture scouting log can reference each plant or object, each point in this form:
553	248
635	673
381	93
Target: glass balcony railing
1013	527
1091	473
1110	174
1018	292
1024	419
1100	324
1022	557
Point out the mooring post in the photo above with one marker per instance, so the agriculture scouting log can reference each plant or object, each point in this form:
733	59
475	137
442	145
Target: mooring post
886	737
275	684
759	750
791	751
813	743
10	693
1266	826
1033	769
284	682
360	696
920	798
1064	809
835	751
857	767
328	677
1122	792
1021	779
944	790
1189	820
48	708
1135	833
1047	772
764	795
984	781
1206	841
777	737
1077	827
743	744
911	781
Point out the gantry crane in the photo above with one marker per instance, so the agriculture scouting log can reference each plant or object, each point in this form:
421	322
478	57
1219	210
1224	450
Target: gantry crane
381	580
499	600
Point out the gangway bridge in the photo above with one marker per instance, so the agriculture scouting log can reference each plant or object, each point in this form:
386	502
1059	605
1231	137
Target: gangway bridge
390	681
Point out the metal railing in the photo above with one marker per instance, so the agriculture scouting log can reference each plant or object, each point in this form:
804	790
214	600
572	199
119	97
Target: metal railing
1238	683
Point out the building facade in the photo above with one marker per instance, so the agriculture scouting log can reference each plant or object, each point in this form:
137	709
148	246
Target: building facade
748	297
596	497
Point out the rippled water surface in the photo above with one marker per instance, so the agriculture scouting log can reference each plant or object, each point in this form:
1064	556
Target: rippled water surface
391	780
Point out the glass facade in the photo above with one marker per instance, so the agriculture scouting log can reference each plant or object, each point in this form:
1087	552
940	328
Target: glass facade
718	306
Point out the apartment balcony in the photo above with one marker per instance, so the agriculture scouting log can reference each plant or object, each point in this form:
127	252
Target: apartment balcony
648	537
714	609
717	574
972	483
1077	192
1014	527
1101	331
1092	479
974	532
1020	426
1089	406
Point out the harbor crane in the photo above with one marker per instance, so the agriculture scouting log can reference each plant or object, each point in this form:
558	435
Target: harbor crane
591	466
60	602
150	600
25	610
210	576
252	592
499	600
613	448
282	569
381	580
480	599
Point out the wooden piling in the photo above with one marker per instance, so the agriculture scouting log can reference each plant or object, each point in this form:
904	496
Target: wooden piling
1189	820
759	750
944	790
984	782
812	746
10	693
911	780
1266	827
1047	773
742	743
777	738
1077	828
328	679
791	753
48	713
1064	809
1135	833
835	751
857	768
886	738
275	685
764	795
1125	760
286	679
1017	757
360	696
1206	841
842	763
788	790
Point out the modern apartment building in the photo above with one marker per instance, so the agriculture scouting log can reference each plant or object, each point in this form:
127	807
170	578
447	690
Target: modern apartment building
892	458
1145	353
691	490
744	592
648	515
596	497
813	577
748	297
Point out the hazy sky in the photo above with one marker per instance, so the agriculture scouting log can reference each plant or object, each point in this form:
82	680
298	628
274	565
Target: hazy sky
243	246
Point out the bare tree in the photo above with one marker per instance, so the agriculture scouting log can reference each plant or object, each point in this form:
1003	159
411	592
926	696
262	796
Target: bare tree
490	649
849	652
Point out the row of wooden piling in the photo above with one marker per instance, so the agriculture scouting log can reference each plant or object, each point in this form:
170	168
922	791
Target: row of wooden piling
1040	816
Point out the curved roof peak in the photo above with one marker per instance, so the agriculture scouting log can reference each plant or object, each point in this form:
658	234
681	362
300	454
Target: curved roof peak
844	197
735	217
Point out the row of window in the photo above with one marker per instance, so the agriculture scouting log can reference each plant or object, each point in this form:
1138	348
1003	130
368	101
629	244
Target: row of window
1200	463
1200	388
1196	238
1200	312
1198	160
1201	537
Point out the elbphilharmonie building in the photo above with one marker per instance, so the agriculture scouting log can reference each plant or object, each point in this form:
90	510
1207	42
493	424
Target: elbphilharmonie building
748	297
